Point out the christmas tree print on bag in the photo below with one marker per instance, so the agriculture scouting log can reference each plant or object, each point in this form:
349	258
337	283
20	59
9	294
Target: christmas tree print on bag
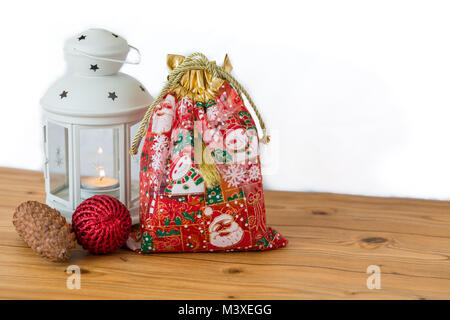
200	180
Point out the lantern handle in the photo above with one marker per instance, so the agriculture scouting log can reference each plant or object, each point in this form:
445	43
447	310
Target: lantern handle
110	59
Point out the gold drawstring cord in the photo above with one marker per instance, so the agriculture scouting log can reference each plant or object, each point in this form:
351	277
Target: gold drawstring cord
195	61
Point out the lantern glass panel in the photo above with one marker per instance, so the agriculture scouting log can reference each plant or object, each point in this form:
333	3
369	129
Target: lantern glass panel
135	168
58	166
99	162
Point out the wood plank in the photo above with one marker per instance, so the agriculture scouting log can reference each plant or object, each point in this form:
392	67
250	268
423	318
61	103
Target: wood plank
333	239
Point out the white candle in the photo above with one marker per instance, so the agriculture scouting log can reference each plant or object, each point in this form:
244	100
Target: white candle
91	186
100	185
97	183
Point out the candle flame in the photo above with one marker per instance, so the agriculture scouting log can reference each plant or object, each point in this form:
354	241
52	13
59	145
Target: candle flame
101	173
100	168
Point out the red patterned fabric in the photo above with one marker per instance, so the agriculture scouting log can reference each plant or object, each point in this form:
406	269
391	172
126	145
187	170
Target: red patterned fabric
178	212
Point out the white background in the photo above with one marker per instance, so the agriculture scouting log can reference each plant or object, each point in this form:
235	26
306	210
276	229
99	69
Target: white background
356	93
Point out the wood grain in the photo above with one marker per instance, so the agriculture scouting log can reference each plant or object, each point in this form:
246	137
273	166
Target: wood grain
333	239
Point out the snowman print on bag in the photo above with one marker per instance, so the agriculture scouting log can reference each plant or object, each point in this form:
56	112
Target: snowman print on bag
184	178
241	144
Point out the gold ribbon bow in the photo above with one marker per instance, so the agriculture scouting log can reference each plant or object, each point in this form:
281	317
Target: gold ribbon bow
198	85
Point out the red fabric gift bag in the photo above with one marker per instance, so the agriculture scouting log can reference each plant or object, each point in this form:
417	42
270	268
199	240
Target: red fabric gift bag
200	181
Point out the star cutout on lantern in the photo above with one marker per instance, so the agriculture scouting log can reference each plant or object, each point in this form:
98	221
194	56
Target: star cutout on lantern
82	37
112	95
94	67
115	35
63	94
142	88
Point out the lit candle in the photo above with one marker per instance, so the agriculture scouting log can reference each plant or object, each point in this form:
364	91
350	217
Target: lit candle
100	184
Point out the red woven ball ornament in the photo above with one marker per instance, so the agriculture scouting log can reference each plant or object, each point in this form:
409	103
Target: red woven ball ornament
102	224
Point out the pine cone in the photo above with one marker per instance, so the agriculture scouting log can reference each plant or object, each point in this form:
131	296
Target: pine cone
44	230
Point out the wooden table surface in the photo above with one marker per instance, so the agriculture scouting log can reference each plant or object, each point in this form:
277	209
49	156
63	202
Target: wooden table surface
333	239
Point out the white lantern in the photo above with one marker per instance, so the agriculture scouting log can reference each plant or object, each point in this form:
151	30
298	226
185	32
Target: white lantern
90	116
